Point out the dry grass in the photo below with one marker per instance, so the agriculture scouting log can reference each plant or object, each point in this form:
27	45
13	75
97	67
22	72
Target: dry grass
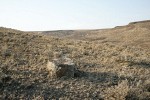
106	71
118	92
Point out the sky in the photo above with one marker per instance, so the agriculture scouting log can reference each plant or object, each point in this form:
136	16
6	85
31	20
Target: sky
43	15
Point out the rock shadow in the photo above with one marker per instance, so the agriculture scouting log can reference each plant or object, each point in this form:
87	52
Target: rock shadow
105	77
140	64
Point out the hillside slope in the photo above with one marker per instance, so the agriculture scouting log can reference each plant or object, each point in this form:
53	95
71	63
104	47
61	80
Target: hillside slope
135	34
106	70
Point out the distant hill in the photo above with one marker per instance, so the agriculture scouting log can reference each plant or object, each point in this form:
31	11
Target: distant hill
135	33
4	29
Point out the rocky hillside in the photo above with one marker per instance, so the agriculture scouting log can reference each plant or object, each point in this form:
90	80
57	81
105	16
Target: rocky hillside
106	71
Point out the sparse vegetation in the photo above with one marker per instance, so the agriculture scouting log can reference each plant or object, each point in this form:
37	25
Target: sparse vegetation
106	71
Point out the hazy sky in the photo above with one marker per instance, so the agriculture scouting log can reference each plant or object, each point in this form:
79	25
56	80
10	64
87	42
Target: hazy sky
30	15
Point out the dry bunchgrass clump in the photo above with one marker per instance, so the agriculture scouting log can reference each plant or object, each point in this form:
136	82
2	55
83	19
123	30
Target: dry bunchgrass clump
118	92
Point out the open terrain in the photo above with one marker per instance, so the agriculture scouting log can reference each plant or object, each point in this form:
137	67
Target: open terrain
113	64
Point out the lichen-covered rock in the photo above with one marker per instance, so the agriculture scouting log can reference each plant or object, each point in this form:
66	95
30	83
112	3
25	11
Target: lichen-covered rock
59	69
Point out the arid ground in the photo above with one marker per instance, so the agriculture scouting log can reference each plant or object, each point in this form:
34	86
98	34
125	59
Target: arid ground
113	64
